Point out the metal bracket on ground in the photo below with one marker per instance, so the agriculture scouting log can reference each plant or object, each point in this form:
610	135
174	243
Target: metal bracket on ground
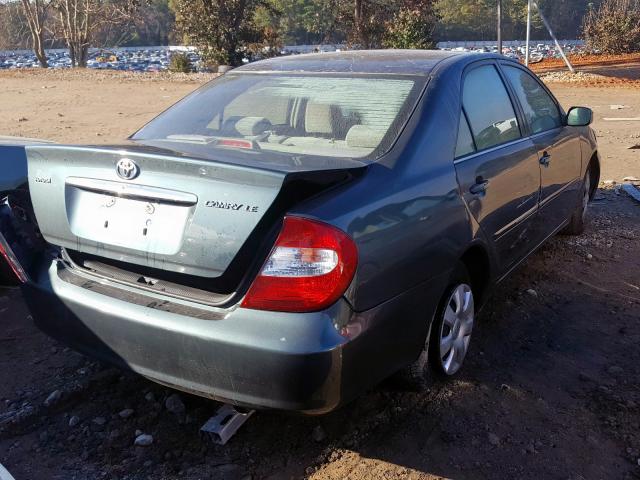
632	191
4	474
225	423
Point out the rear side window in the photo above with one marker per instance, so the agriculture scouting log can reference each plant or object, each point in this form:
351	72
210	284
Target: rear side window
465	144
488	106
539	108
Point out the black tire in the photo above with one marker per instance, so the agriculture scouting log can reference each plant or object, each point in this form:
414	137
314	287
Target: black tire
579	215
429	367
417	376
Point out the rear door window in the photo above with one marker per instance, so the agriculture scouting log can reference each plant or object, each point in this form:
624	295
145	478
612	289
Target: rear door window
539	108
491	114
465	144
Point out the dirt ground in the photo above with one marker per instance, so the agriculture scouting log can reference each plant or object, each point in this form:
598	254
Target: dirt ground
610	63
98	107
551	387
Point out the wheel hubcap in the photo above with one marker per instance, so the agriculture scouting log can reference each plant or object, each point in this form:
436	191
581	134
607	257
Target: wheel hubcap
457	326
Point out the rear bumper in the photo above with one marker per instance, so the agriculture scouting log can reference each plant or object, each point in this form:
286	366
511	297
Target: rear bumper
285	361
246	357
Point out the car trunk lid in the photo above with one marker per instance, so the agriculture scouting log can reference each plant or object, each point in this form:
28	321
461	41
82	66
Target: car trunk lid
174	214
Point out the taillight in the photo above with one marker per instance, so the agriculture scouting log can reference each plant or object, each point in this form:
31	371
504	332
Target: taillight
309	268
7	255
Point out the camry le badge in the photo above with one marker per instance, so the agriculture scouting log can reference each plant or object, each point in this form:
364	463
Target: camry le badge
127	169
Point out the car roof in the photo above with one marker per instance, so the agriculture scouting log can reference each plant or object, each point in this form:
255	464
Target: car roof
407	62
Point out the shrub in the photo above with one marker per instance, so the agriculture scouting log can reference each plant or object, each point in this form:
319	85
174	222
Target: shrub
412	26
221	29
614	27
180	63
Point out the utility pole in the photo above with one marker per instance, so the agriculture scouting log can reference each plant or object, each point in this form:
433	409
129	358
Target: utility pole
526	47
500	27
555	40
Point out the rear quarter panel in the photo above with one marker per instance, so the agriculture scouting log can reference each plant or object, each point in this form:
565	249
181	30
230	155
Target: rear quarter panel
13	161
13	167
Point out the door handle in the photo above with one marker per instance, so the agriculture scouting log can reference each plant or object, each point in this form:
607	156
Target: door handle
545	159
480	187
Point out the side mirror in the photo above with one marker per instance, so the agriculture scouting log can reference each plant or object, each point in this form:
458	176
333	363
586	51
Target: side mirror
579	116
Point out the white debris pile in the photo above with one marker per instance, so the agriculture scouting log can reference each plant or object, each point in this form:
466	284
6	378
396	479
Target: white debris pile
568	77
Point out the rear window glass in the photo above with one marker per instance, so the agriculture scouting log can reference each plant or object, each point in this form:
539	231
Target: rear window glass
355	116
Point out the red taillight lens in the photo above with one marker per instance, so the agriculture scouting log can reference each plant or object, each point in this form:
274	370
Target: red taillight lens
309	268
7	255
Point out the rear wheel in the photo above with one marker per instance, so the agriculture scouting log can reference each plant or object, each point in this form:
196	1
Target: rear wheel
577	220
450	334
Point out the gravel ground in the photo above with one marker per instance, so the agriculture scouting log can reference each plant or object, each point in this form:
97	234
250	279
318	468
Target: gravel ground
100	76
593	70
551	388
568	77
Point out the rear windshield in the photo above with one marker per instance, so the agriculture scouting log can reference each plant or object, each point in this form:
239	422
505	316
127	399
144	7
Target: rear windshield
333	116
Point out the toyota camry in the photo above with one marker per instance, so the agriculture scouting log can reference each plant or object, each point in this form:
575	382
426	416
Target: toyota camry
300	228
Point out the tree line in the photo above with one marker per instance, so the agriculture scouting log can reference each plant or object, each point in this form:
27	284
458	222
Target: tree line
228	30
80	24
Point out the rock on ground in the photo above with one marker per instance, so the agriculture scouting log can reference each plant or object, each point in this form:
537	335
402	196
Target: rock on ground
143	440
174	404
53	398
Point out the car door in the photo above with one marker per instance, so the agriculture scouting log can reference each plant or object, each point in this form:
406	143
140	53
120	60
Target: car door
497	165
557	145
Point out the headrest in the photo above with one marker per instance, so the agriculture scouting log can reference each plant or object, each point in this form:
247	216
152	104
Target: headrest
251	126
319	118
364	137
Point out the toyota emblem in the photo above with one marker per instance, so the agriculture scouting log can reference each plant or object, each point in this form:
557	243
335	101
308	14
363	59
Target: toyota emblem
127	169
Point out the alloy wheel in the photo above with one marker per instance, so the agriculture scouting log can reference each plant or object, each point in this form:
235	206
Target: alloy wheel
457	325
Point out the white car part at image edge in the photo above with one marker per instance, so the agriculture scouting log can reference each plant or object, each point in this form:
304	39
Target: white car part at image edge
4	474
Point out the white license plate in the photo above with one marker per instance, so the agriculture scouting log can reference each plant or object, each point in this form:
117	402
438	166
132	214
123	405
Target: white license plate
138	225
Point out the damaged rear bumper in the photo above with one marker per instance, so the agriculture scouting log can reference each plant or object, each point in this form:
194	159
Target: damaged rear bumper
286	361
269	360
245	357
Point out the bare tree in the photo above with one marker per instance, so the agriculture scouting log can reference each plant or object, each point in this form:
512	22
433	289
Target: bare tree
14	33
81	19
36	13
